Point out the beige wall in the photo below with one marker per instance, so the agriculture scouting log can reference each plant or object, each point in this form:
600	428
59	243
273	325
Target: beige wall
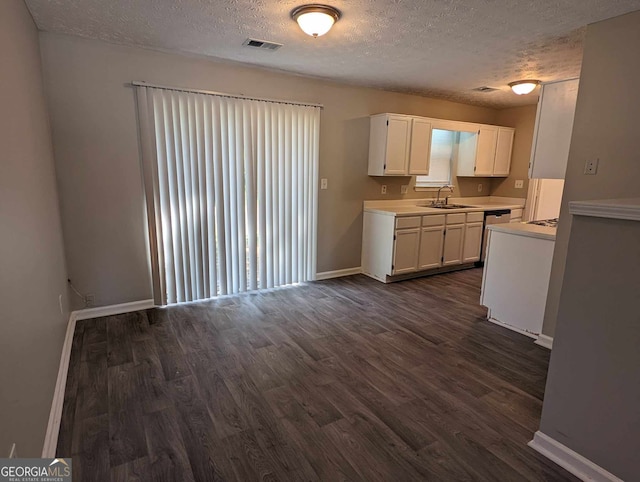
32	271
592	397
605	127
523	119
96	148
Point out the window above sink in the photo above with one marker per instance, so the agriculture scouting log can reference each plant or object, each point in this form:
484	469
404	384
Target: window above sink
441	160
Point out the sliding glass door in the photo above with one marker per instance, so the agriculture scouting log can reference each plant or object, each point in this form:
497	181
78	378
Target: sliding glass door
231	187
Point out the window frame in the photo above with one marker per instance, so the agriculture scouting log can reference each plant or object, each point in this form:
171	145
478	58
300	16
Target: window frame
433	185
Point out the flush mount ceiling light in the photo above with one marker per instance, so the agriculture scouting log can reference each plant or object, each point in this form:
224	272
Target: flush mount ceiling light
522	87
315	20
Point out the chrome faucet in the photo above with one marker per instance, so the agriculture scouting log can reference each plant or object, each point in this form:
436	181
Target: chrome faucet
450	188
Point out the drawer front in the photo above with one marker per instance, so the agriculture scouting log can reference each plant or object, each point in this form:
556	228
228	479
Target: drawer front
516	213
475	217
433	220
457	218
408	222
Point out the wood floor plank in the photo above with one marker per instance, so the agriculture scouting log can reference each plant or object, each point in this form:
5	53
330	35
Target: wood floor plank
168	455
228	419
344	379
71	393
126	437
119	330
312	399
325	458
92	388
134	471
291	463
206	454
94	331
363	455
90	451
248	459
396	420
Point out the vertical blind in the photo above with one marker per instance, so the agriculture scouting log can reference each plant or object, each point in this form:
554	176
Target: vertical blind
231	189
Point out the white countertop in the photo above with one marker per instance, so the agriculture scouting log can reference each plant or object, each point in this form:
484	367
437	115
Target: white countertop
628	209
529	230
409	207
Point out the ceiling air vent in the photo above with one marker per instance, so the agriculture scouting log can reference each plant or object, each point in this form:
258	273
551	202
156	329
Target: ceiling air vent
261	44
484	88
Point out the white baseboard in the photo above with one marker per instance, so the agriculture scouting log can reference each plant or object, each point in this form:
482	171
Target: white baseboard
338	273
113	309
55	415
572	461
545	341
510	327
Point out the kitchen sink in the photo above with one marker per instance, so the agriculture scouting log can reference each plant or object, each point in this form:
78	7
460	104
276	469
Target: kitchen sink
446	206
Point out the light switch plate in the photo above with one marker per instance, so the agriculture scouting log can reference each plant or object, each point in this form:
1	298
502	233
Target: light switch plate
519	183
591	166
324	183
404	189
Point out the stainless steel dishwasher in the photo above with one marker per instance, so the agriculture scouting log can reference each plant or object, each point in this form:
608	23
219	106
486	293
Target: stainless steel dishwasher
497	216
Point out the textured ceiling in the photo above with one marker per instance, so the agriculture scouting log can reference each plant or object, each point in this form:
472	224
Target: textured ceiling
438	48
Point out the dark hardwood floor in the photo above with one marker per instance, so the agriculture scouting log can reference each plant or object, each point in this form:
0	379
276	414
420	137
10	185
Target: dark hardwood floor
346	379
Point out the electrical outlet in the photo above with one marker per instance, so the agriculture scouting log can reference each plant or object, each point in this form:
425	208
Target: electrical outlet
479	187
90	300
384	189
591	167
519	183
324	183
404	189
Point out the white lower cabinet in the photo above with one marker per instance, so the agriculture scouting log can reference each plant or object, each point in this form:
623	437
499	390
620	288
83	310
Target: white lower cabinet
516	215
400	245
405	251
453	240
472	242
431	240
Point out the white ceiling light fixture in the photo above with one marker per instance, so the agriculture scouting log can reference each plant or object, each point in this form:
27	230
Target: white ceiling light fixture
315	20
523	87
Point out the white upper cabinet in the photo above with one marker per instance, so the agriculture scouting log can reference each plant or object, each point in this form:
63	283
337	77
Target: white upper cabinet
420	150
399	145
486	155
504	148
389	145
552	134
485	152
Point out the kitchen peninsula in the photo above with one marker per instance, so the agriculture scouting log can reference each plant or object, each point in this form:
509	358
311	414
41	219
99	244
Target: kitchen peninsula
516	275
